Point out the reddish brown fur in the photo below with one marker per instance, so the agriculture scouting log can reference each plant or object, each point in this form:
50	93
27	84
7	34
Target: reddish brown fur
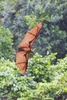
25	47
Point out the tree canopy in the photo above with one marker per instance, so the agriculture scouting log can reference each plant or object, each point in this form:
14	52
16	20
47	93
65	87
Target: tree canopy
20	16
46	76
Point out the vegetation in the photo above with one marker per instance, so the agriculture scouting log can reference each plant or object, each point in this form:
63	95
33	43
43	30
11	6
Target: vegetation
6	39
46	76
43	82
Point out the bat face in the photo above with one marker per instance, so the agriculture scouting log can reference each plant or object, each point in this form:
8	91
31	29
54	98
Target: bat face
25	46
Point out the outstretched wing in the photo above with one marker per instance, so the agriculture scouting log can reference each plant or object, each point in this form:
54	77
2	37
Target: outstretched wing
22	61
30	37
25	47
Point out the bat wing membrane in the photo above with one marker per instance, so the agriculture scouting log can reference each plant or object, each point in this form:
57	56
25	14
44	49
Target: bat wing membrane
22	61
26	44
30	36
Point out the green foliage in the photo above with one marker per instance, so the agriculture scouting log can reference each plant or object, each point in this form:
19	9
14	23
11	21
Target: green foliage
44	80
6	43
41	66
20	16
54	41
35	85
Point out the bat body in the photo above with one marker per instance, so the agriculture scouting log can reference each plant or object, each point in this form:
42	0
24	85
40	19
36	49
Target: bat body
25	46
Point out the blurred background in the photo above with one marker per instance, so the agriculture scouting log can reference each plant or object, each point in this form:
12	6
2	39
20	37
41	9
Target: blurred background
46	76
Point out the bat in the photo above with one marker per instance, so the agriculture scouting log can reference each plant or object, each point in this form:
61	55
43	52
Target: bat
24	48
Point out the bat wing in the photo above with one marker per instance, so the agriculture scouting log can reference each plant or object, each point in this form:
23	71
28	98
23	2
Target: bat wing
30	37
25	47
22	61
